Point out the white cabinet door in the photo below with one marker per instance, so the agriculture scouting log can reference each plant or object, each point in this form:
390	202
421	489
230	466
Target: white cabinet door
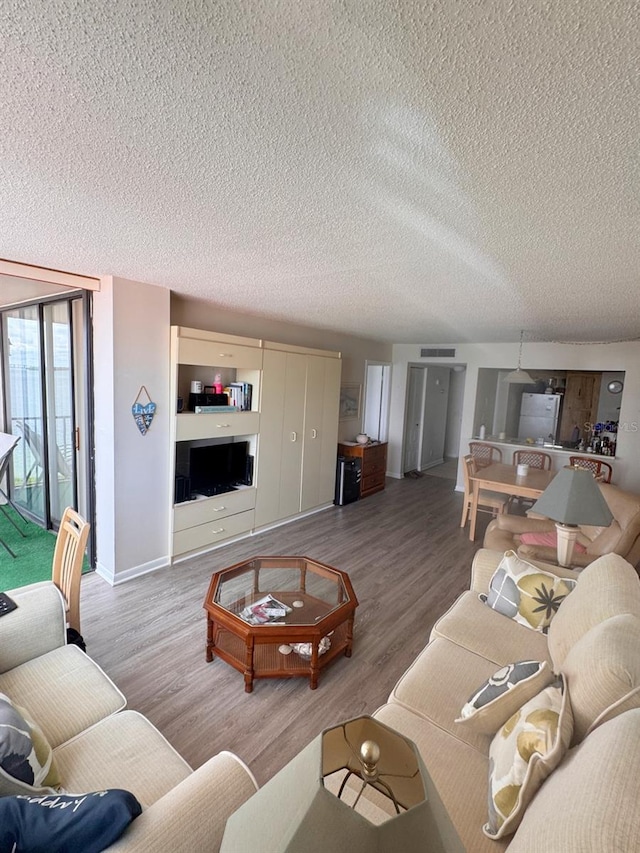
298	434
320	431
281	436
292	434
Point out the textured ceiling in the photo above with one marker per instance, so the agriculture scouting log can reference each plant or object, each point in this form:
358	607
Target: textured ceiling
432	171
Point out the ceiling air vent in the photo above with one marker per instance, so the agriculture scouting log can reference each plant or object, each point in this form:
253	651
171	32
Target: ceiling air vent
431	352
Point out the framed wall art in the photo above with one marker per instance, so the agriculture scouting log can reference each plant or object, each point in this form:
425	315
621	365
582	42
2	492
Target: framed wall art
350	396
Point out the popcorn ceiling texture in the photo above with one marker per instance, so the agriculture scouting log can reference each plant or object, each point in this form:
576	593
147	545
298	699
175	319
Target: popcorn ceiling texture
411	171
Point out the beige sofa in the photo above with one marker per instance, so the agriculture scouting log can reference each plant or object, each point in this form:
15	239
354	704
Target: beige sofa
98	744
621	537
589	802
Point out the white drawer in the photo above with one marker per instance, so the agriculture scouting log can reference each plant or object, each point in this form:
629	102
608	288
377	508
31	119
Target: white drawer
214	354
192	513
219	424
194	538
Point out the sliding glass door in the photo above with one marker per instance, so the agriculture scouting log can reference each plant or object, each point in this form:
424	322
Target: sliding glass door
41	370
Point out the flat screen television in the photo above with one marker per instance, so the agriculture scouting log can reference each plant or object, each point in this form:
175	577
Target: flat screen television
217	468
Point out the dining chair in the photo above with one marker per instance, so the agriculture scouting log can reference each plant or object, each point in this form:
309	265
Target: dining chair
67	562
492	502
484	454
602	471
533	458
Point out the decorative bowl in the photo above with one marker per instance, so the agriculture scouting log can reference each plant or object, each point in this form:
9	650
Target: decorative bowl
362	438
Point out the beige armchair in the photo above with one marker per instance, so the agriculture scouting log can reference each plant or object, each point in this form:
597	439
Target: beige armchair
621	537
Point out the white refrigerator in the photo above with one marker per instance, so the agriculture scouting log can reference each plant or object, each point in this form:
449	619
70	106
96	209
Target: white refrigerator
539	416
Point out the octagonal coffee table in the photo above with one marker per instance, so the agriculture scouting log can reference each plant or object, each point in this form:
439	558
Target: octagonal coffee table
279	617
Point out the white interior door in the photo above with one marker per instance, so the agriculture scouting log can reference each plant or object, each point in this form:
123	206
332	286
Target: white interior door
414	421
377	397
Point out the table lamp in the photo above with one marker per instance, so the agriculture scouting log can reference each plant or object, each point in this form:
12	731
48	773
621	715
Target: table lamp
359	786
571	498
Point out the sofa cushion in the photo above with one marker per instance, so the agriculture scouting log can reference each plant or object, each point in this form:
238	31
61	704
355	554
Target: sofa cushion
526	594
523	753
65	691
455	671
473	625
589	804
122	751
503	693
26	759
458	771
603	673
606	587
58	823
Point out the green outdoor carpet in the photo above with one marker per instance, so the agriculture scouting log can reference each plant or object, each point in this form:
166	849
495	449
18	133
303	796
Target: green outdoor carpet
34	552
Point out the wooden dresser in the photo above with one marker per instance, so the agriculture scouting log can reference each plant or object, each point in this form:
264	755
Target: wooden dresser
374	464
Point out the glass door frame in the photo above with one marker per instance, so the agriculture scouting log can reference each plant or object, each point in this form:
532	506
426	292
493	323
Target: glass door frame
81	374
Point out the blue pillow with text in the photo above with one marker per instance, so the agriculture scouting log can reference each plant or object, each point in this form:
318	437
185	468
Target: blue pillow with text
64	823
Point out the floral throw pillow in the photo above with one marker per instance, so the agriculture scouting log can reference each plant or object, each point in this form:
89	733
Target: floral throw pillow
523	753
501	695
525	593
26	758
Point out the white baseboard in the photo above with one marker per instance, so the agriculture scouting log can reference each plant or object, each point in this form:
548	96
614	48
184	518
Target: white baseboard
114	579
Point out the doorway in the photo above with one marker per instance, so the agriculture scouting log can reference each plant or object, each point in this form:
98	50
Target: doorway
46	393
377	397
415	419
434	399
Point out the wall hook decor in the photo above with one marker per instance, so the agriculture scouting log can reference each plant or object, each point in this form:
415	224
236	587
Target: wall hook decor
143	412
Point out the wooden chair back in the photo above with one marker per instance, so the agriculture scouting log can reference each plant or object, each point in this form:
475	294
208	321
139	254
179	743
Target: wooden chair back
484	454
487	501
533	458
601	470
67	562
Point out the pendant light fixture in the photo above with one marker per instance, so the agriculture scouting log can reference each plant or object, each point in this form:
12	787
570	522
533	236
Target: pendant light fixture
519	376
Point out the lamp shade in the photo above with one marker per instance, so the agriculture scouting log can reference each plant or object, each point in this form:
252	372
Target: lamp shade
519	377
303	807
573	497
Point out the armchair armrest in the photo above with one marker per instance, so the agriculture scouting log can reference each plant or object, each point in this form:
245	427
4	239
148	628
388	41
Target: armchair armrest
486	562
193	815
532	553
37	626
521	524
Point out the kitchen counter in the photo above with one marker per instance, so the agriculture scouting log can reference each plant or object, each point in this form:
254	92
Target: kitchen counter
547	447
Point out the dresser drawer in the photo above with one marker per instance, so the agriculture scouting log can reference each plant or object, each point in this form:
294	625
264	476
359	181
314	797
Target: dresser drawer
194	538
376	455
373	466
193	513
371	482
214	354
218	425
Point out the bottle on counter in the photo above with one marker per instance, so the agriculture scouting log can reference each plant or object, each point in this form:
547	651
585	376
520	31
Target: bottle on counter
483	433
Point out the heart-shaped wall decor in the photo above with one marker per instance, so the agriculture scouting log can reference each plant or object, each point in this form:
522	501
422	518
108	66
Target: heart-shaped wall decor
143	412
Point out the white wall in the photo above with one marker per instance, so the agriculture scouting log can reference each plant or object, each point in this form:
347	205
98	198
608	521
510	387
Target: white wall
457	381
535	356
131	347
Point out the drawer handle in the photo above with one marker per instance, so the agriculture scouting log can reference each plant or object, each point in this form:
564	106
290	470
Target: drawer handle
294	436
218	530
218	508
222	426
225	354
314	433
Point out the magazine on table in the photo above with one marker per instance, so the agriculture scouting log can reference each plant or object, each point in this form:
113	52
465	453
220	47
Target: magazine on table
265	610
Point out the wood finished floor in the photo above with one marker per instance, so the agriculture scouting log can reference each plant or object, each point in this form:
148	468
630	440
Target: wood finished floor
408	560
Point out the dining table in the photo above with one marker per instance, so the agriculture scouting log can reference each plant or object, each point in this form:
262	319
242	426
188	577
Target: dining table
499	477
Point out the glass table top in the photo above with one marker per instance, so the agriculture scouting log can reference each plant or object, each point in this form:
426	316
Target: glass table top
267	591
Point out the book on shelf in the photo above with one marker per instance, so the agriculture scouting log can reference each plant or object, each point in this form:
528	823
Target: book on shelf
240	395
208	410
264	611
